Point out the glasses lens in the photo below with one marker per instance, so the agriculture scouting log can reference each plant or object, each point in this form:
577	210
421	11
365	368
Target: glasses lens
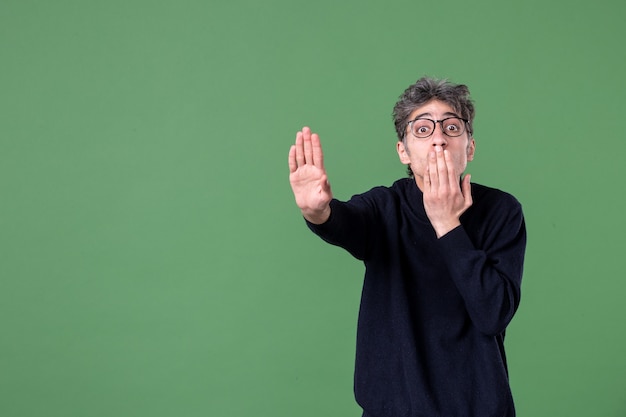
423	128
453	126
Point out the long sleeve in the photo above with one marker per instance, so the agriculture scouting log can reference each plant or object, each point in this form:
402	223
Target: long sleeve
487	267
349	226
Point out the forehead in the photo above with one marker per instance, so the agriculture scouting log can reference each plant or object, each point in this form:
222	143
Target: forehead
434	108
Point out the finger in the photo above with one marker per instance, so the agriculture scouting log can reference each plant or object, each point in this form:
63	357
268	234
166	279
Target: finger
433	172
467	190
427	183
293	165
299	149
442	168
308	149
318	155
453	179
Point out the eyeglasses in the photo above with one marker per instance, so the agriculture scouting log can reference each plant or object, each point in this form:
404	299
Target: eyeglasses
450	126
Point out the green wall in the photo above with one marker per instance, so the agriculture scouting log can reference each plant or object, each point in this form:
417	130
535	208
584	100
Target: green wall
153	262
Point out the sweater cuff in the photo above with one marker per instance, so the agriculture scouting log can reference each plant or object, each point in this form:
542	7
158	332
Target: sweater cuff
328	224
456	240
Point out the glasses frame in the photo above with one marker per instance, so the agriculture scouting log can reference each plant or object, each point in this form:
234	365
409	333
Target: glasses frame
410	125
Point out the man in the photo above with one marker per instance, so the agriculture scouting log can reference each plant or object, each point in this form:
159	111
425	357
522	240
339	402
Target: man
443	264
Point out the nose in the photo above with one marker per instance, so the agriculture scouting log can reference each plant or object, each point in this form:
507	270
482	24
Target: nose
439	138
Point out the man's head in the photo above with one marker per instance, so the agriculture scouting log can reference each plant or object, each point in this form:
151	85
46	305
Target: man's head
433	113
426	89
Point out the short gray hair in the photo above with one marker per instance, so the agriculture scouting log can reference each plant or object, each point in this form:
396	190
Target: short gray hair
426	89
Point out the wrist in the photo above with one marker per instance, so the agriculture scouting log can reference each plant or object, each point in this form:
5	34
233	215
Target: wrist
442	229
317	216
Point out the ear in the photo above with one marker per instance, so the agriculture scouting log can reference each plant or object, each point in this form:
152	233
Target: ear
471	149
403	153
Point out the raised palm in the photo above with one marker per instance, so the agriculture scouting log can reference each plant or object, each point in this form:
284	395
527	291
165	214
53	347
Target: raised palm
308	178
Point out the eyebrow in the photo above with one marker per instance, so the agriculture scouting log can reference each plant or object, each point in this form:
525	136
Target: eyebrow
446	114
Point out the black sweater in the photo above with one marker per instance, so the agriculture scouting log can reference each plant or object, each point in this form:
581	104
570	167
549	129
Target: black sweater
433	311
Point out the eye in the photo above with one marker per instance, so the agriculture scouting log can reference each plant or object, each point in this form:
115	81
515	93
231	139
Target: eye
453	126
422	128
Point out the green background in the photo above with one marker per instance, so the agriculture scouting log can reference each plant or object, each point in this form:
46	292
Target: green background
153	262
